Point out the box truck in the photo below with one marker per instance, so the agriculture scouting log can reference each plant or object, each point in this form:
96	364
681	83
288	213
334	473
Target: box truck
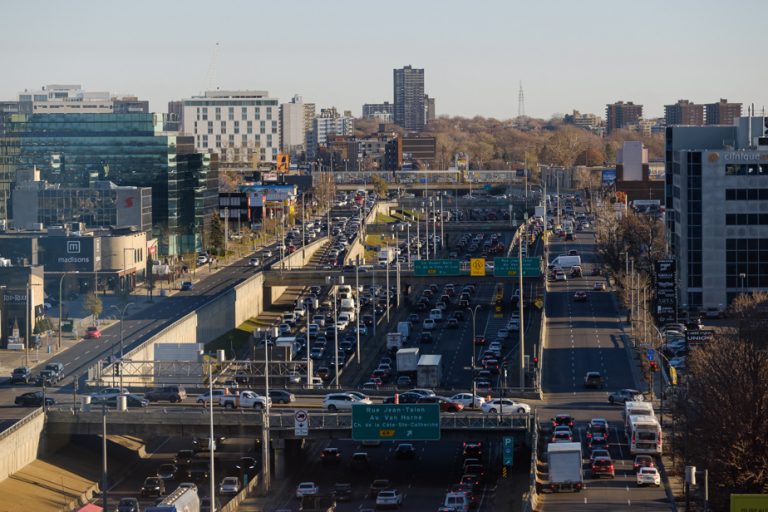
429	371
407	360
565	473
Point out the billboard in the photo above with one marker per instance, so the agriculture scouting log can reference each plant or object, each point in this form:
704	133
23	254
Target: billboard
666	293
68	253
609	176
128	207
699	336
259	194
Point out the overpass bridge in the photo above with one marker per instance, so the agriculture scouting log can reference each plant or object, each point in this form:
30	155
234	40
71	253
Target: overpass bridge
317	277
195	421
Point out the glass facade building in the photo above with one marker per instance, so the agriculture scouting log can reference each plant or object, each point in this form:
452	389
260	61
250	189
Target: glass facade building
76	150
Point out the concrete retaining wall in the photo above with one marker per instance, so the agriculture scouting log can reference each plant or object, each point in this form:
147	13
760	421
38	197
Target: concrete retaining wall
20	444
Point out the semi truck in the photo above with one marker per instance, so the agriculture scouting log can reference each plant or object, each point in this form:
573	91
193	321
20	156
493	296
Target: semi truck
407	360
565	472
429	371
183	499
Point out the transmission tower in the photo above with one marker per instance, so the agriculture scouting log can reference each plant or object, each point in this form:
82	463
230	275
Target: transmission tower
520	102
211	76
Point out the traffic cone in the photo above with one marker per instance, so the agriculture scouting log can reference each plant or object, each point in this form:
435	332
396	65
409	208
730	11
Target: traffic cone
397	398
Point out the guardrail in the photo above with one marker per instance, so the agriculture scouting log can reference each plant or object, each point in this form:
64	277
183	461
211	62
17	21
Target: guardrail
19	424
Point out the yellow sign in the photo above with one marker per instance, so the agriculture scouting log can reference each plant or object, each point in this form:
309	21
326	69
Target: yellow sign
386	433
539	302
749	502
477	267
673	375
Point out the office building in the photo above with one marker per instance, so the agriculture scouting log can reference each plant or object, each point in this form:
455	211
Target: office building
293	127
76	150
429	109
684	112
716	203
325	127
619	115
375	110
174	117
409	98
37	204
722	112
22	302
241	127
408	153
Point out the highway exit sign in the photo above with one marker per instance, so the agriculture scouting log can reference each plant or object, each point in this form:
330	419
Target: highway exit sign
396	422
508	267
437	267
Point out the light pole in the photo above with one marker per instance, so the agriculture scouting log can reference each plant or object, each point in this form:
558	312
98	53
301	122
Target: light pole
521	361
122	318
265	428
210	426
357	306
474	335
61	288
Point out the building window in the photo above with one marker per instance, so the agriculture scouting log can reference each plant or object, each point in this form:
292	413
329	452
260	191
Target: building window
748	256
244	139
746	219
218	113
746	194
694	220
746	169
223	127
231	140
244	113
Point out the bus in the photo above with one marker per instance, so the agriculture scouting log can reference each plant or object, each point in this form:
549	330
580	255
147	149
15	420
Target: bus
498	297
644	435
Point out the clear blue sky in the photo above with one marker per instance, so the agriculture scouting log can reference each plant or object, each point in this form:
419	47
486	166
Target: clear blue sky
568	54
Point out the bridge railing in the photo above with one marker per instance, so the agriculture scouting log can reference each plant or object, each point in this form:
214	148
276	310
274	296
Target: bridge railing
19	424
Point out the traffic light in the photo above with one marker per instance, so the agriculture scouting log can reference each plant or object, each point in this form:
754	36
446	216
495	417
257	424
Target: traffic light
535	362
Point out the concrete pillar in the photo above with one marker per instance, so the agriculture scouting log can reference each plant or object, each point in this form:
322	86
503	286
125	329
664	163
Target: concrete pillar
278	469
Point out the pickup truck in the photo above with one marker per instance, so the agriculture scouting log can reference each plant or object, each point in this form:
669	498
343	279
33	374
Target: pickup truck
246	399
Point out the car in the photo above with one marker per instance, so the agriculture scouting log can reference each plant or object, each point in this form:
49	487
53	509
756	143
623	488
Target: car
598	440
562	434
580	296
307	489
625	395
46	378
502	334
467	400
648	476
377	486
602	466
281	396
230	485
205	398
198	471
128	505
405	451
483	386
446	404
403	381
253	262
560	276
153	487
342	492
643	461
597	425
22	375
472	449
186	286
167	471
109	393
330	456
479	339
171	394
246	466
456	502
342	401
202	259
184	458
92	332
452	323
505	406
360	461
562	420
598	452
428	324
573	252
389	498
426	337
130	401
598	286
33	399
593	380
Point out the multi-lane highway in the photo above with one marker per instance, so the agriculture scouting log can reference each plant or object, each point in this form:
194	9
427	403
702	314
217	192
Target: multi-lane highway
582	337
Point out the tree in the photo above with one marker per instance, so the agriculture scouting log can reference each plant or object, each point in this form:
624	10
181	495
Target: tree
380	186
721	416
93	305
150	275
216	238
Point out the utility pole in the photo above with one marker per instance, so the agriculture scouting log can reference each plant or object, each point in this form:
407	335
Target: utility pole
521	361
265	428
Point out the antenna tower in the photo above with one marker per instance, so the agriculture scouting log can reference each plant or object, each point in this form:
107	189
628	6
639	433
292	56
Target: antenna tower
521	102
210	78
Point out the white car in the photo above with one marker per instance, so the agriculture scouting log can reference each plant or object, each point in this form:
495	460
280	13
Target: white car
230	485
428	324
648	476
204	398
505	405
306	489
108	393
295	378
253	262
513	324
503	334
342	401
266	253
389	498
202	259
465	399
560	276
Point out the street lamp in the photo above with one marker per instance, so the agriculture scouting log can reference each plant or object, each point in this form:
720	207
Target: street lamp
122	317
61	288
474	335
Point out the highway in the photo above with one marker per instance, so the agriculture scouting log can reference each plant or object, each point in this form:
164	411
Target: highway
584	336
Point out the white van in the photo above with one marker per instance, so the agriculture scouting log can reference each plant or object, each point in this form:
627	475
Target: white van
456	501
436	315
565	262
636	409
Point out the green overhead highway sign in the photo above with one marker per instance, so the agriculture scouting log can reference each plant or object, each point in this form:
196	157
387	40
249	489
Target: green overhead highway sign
508	267
437	267
396	422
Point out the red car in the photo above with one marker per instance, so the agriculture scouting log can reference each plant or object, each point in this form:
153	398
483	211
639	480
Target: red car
562	419
643	461
479	339
602	466
92	332
446	405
